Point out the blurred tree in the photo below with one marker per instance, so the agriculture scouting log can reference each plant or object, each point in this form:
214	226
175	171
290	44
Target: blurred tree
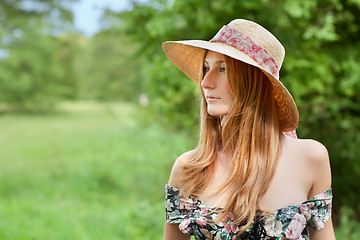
38	72
45	61
37	67
22	14
105	70
321	38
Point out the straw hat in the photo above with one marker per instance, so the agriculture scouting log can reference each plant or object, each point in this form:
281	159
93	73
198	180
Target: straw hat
245	41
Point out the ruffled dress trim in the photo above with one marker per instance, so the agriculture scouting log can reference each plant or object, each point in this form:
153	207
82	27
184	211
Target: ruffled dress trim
291	222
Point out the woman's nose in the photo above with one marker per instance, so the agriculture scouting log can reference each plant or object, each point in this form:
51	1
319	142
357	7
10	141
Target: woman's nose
208	80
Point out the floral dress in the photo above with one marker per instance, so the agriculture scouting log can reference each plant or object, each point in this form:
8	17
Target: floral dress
285	223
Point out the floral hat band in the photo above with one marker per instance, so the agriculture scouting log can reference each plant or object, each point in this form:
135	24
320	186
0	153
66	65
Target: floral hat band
244	43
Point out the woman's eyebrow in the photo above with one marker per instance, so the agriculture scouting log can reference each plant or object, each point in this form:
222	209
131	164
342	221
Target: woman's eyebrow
219	61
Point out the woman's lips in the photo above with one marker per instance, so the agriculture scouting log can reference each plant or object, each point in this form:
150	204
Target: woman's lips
211	98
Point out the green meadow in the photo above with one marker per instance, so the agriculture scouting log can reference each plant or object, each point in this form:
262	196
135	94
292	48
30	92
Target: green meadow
86	172
90	171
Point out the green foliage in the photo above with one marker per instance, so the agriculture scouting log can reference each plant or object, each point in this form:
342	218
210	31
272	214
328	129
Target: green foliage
21	14
44	61
105	69
321	38
37	72
348	228
37	68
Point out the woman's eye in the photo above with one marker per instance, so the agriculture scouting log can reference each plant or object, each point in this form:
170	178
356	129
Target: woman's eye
222	69
206	69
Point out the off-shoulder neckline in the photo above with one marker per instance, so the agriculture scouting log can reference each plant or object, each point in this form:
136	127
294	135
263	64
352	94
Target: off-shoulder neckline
314	198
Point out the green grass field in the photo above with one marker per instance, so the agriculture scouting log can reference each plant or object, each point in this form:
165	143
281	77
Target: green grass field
91	171
88	172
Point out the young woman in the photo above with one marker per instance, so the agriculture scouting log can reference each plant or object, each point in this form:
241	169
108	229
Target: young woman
249	177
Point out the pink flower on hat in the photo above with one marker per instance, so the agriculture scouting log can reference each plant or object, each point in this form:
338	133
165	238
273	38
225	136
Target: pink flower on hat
256	47
245	44
227	33
235	41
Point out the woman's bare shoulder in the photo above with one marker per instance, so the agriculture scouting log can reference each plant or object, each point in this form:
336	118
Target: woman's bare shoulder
177	169
316	157
312	150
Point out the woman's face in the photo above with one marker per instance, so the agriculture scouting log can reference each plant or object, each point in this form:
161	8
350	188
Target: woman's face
215	85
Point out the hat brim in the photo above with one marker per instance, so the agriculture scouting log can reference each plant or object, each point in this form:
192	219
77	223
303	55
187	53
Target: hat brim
189	55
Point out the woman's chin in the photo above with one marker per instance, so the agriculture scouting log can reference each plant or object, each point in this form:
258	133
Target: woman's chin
217	112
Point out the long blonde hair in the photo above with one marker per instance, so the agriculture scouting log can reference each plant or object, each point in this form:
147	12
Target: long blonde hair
250	137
